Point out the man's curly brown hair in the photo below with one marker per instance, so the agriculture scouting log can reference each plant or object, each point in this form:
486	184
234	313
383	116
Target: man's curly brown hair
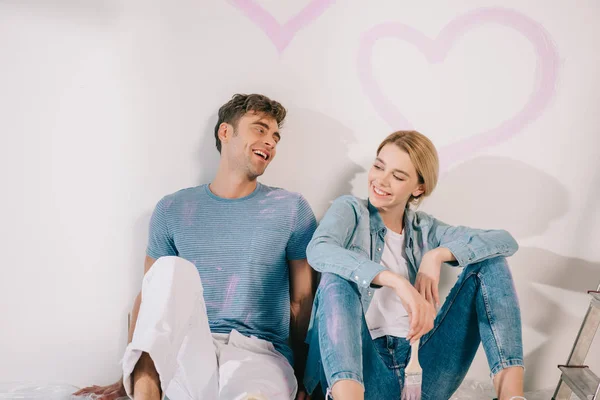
240	104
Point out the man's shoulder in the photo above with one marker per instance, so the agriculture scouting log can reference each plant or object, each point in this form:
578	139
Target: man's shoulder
185	195
278	193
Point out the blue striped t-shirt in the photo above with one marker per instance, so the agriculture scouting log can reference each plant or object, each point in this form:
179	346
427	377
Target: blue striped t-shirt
240	248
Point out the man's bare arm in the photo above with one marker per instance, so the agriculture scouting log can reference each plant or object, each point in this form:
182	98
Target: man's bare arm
302	278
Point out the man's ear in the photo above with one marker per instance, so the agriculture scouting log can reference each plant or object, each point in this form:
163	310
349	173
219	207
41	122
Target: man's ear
225	132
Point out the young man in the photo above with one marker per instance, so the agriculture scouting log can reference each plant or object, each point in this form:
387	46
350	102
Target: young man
225	277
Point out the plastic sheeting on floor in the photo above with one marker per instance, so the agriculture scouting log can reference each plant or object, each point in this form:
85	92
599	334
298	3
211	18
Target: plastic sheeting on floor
33	391
469	390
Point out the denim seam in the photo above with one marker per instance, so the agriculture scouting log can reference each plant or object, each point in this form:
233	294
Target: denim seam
442	317
511	362
345	375
394	362
488	312
502	362
340	374
310	383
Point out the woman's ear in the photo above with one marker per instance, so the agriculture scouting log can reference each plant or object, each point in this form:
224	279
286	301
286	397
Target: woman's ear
419	190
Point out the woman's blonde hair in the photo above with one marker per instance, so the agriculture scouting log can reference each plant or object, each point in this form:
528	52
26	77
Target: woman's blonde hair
423	156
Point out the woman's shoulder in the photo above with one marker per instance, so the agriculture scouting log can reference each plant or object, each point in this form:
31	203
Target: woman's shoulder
349	200
417	218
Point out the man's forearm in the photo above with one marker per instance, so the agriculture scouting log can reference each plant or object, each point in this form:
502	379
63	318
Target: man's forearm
300	319
133	317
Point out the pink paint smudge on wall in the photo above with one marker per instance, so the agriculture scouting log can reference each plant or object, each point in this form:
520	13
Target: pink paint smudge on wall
281	35
436	50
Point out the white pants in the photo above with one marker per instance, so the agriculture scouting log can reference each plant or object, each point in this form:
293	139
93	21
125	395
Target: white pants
193	364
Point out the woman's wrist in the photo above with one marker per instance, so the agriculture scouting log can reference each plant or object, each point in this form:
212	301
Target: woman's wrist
441	254
389	279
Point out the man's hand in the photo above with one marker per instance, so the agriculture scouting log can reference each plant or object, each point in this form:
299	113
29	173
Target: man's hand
110	392
302	395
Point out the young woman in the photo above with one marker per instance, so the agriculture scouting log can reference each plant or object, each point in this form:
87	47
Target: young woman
380	262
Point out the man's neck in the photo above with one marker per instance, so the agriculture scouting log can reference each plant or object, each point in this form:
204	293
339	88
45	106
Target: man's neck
229	185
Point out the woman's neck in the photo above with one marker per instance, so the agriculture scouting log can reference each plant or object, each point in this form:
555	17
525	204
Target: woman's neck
393	219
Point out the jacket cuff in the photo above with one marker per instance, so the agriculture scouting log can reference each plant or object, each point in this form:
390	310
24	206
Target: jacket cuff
366	272
464	256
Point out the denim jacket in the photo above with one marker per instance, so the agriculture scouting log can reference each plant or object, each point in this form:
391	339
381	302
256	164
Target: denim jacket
349	242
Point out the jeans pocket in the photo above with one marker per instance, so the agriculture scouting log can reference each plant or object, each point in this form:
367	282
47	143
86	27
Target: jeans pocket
393	351
386	354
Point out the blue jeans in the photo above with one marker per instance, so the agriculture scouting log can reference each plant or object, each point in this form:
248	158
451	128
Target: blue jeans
482	307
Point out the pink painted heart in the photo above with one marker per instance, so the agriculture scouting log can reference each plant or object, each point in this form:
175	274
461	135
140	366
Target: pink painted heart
281	35
436	50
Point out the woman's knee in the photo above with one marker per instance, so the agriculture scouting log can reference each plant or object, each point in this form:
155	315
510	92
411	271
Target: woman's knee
495	265
338	298
333	285
494	274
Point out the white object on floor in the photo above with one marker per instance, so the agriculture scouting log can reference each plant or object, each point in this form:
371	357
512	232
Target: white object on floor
38	391
472	390
469	390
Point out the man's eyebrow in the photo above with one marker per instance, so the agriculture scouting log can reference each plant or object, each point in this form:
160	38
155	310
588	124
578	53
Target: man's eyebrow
267	127
261	124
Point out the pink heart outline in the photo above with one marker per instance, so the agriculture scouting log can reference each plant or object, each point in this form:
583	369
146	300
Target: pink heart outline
436	50
281	35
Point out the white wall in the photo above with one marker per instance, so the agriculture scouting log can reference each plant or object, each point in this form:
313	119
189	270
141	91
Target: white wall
106	108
